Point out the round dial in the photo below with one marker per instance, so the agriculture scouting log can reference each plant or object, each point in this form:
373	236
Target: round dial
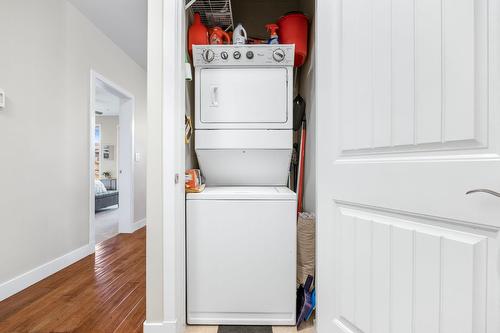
250	55
279	55
224	55
237	54
208	55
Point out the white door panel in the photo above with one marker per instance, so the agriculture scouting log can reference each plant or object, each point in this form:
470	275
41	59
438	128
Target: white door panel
402	275
412	75
408	121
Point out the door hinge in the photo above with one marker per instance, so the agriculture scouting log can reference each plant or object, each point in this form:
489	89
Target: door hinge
176	178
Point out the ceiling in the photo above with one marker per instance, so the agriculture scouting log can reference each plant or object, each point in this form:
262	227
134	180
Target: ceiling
123	21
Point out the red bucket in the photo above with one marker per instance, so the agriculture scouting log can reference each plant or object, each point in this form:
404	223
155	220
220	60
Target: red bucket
293	29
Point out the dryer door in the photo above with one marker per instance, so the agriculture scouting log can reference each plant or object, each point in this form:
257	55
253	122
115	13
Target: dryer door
243	98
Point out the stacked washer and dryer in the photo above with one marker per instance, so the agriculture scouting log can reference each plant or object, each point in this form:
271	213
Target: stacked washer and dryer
241	230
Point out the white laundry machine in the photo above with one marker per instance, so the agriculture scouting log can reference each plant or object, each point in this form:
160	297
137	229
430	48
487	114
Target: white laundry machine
244	113
241	256
241	230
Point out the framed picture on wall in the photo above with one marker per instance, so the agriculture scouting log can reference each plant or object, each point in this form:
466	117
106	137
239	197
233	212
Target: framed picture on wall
108	152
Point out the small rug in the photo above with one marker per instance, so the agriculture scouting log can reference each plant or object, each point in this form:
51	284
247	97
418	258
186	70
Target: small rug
245	329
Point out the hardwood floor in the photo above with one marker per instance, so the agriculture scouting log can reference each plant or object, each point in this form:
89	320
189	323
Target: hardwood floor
101	293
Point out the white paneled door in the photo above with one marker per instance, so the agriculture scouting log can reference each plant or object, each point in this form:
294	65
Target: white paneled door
408	122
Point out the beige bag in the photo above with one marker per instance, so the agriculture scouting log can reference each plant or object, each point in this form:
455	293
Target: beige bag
306	246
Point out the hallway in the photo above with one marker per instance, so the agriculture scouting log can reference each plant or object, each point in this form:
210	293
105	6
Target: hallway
104	292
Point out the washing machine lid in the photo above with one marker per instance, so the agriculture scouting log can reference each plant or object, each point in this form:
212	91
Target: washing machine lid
243	193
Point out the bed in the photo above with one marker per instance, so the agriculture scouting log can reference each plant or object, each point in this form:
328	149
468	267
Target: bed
103	197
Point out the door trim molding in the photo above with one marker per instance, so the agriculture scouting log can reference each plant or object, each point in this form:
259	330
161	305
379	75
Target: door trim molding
487	230
160	327
126	223
345	326
165	269
327	99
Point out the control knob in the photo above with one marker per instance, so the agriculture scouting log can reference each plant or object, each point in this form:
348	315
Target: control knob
208	55
279	55
237	54
224	55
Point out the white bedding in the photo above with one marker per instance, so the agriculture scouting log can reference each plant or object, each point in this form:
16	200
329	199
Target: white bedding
99	187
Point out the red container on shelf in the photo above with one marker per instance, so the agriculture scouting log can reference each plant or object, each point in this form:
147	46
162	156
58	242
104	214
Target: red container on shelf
197	34
294	29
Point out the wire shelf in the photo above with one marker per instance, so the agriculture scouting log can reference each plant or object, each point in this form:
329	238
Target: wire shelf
214	13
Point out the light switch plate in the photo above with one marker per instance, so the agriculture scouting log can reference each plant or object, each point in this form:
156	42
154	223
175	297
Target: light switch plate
2	98
137	157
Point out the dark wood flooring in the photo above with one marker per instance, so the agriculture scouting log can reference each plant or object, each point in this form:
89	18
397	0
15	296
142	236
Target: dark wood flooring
101	293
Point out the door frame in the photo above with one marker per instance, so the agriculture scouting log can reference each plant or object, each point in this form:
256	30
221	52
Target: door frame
326	99
165	263
126	120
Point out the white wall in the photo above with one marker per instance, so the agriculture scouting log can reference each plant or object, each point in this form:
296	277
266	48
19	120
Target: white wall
88	48
48	49
108	137
308	92
255	14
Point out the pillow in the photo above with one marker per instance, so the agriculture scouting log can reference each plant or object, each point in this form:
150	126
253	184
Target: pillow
99	187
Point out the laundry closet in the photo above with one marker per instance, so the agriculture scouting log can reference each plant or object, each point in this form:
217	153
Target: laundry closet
250	179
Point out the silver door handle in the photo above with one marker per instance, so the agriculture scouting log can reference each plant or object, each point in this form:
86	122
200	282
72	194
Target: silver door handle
484	190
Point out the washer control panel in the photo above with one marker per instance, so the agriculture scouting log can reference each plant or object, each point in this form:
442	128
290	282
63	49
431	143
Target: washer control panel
243	55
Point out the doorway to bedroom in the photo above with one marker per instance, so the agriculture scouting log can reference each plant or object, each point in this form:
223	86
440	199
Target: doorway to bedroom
111	170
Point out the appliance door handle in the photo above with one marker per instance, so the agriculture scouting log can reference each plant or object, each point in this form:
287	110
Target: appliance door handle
484	190
214	96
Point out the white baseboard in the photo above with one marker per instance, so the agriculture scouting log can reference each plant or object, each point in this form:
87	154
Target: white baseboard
138	224
133	227
29	278
161	327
